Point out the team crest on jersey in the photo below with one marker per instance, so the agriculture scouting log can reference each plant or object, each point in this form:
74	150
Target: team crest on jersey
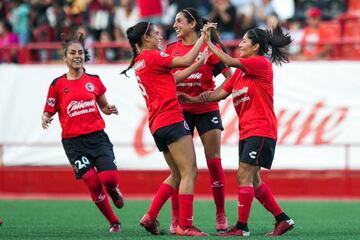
66	90
51	102
164	54
90	87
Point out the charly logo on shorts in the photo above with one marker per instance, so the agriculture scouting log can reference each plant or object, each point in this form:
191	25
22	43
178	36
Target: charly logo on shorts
89	86
253	154
215	120
51	102
186	126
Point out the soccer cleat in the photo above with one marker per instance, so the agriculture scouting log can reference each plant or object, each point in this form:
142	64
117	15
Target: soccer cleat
1	222
150	225
282	227
190	231
173	225
221	222
116	197
115	228
233	231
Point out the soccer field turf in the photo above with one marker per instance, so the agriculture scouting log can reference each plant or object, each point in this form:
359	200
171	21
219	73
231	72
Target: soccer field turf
49	219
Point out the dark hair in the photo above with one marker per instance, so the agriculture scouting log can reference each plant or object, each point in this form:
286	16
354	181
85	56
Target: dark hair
192	15
134	35
276	39
74	37
6	24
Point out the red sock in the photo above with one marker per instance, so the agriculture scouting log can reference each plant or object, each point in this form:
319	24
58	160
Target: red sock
266	198
186	210
98	195
245	197
217	183
161	196
109	178
175	204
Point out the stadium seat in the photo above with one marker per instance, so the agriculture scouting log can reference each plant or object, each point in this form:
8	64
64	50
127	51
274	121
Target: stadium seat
335	32
353	7
351	46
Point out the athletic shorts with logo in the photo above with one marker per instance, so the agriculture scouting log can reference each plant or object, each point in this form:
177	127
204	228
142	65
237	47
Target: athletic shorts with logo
166	135
204	122
257	151
88	151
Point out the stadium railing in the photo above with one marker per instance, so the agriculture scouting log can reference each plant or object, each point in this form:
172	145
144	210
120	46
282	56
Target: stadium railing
347	48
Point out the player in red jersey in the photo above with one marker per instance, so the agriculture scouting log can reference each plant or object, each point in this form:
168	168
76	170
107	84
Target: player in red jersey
205	117
251	88
166	122
75	96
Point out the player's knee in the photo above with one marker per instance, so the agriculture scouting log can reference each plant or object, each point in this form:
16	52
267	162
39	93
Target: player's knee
109	178
189	172
244	177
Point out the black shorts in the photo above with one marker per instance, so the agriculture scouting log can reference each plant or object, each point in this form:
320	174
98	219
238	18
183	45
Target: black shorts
204	122
88	151
166	135
257	151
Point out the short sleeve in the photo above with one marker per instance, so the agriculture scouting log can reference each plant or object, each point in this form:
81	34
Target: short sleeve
101	89
51	104
255	66
228	87
161	59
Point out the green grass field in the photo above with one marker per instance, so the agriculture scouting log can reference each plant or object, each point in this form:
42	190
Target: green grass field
43	219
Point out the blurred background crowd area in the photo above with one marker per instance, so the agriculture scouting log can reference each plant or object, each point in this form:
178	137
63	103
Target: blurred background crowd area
30	30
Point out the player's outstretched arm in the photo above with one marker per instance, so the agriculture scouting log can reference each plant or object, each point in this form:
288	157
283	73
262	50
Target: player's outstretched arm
105	107
46	120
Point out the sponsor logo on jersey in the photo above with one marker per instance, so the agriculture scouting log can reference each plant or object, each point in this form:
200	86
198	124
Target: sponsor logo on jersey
51	102
195	75
164	54
239	92
76	108
189	84
139	65
90	87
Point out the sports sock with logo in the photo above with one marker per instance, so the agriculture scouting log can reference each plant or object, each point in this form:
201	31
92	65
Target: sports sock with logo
217	177
245	198
98	195
186	210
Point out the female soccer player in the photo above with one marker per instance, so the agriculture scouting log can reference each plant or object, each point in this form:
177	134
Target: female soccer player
75	96
205	117
166	121
251	87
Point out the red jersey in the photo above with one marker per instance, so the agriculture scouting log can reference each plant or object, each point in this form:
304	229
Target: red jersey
75	101
252	92
157	85
149	8
200	80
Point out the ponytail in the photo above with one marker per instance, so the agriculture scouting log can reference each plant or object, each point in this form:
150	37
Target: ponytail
192	15
279	42
215	39
134	35
276	39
